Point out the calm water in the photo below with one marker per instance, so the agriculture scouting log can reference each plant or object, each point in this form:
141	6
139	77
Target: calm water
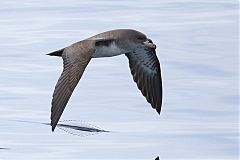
198	49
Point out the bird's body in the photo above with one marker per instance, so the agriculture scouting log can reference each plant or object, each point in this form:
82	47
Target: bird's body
140	51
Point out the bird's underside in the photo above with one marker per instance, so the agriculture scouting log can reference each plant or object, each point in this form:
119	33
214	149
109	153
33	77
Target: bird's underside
143	64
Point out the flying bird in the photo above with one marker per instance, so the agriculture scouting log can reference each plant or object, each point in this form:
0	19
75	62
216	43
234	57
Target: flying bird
143	63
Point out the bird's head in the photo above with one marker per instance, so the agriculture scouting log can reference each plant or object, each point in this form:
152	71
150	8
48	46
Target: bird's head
133	39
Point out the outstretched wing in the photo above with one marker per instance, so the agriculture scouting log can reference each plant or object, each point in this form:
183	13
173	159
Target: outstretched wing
75	59
145	68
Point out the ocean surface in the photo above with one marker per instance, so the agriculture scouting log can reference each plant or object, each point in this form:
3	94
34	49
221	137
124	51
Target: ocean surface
197	45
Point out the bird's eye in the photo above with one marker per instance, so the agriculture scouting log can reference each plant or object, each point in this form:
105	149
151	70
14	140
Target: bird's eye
140	38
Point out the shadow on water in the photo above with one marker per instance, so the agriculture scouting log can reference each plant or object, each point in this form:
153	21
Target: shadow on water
74	127
2	148
79	128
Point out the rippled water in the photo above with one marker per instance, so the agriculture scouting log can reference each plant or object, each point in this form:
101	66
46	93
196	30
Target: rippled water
198	49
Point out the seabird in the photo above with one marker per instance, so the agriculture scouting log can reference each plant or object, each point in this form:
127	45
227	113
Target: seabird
143	63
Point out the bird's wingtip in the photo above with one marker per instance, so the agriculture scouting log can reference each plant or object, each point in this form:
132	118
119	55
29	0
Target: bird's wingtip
53	128
158	110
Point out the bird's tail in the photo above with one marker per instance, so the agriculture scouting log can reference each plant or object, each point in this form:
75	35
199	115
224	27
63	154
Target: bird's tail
56	53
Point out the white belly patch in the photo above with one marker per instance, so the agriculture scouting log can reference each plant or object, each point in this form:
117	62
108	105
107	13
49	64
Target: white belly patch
107	51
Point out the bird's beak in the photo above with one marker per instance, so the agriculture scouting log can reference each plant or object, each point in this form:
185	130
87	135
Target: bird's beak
148	43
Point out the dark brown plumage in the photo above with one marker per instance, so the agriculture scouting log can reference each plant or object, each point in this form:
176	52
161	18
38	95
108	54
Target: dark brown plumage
141	54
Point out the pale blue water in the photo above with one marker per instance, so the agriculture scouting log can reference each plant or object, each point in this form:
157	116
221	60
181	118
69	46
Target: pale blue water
197	44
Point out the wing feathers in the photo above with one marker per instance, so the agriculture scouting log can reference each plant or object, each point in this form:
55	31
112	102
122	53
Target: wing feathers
145	69
75	60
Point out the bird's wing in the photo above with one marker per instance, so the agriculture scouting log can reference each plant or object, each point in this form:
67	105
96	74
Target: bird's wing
75	59
145	68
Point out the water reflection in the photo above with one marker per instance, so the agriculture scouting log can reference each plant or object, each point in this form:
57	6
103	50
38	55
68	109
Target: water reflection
2	148
79	128
74	127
